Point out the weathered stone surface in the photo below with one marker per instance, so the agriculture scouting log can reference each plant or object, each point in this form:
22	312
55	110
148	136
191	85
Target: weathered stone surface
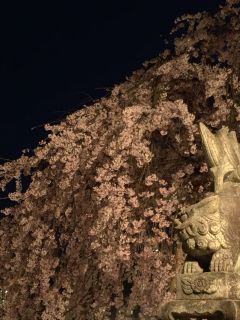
201	309
210	228
209	287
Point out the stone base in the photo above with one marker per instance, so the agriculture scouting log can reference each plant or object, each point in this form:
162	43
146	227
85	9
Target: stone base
201	309
208	285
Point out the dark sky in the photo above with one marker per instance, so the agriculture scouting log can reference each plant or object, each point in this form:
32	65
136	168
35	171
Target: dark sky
56	58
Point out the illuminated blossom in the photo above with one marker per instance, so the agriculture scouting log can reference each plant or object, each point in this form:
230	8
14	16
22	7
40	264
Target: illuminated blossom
103	187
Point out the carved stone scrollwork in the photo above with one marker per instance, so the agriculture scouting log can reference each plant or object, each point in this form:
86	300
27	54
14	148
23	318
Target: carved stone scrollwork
198	285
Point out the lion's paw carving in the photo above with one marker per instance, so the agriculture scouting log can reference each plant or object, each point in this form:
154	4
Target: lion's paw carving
221	262
192	267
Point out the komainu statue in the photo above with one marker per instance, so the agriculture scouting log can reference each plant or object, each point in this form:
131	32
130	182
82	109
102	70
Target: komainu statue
209	285
210	229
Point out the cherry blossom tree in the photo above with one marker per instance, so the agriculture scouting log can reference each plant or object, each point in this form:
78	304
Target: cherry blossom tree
91	236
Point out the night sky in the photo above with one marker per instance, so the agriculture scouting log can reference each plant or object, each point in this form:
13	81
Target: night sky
56	58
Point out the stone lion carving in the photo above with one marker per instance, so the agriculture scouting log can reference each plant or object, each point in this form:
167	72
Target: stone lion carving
210	229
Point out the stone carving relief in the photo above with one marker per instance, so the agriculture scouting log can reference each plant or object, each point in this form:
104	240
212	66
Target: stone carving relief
209	286
209	229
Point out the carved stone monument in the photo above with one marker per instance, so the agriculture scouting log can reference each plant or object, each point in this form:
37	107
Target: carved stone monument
209	287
